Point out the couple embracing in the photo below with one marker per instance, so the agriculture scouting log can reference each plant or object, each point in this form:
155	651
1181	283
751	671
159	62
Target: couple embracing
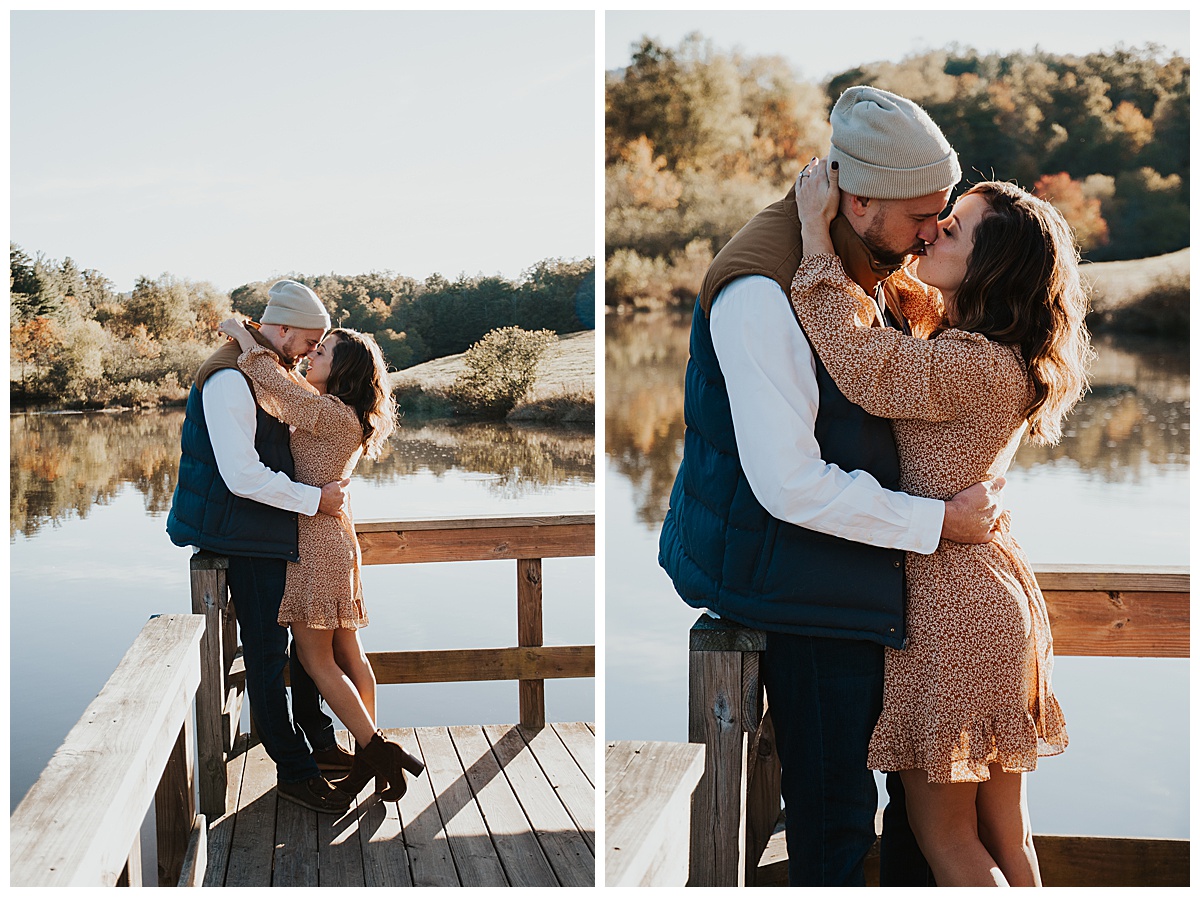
266	455
862	372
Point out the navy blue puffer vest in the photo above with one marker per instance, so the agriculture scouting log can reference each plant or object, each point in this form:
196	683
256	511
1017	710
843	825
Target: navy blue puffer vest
206	514
722	549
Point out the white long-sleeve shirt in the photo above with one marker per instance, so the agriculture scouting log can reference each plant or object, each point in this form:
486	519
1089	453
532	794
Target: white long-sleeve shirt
771	376
230	413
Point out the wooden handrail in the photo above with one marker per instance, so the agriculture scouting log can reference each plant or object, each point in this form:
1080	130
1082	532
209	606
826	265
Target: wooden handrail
1095	610
525	538
80	822
476	538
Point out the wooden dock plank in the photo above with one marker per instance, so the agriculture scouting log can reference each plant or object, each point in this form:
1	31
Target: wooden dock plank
474	854
339	847
220	831
385	859
339	850
618	755
524	862
295	846
581	742
429	855
250	853
648	791
569	783
564	845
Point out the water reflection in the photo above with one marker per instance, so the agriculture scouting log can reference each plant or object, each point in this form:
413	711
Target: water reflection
644	361
1137	416
63	465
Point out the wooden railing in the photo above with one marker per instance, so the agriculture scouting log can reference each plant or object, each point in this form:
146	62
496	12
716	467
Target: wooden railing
524	539
1094	611
80	823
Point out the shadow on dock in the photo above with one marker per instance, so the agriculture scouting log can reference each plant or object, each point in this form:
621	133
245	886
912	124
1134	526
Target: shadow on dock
497	806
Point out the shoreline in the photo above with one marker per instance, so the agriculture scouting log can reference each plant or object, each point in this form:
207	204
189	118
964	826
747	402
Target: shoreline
565	391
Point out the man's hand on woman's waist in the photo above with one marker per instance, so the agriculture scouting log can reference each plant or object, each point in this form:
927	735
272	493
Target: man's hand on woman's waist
971	515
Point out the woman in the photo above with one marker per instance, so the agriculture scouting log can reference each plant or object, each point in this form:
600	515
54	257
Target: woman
342	410
999	349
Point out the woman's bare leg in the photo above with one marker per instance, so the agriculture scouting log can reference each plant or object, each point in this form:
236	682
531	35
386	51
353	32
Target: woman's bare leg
943	818
1004	827
350	656
316	653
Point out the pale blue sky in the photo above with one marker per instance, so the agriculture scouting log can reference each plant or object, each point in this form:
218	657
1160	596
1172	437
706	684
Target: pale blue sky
231	147
822	43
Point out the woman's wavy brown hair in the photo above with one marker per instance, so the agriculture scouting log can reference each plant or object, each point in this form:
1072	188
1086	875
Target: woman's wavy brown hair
1022	288
358	376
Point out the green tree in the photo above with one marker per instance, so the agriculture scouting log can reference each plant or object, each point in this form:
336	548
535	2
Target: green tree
500	370
1149	214
161	306
398	349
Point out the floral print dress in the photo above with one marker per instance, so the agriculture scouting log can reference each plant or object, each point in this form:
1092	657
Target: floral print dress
972	685
324	589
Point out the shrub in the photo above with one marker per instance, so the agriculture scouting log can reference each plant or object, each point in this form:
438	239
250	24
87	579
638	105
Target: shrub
501	369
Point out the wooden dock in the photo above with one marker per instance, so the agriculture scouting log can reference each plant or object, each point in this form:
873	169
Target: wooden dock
498	806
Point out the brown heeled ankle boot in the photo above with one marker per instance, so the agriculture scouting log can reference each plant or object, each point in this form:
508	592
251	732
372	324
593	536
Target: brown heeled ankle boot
360	773
389	761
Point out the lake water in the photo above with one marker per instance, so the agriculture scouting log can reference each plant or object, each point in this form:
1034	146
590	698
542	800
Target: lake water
91	562
1115	491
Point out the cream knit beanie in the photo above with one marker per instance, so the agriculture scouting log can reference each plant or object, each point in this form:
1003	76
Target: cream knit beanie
888	147
293	304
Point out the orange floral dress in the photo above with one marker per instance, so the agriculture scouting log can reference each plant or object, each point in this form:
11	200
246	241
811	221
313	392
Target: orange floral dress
324	589
972	685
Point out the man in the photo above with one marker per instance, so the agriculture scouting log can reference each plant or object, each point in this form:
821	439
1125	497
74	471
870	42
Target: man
235	496
783	515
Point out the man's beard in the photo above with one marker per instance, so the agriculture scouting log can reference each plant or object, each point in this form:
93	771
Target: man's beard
884	255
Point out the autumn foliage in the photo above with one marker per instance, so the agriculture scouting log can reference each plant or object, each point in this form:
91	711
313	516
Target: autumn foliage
698	140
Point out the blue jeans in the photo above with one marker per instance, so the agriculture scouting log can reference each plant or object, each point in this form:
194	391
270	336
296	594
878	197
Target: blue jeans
825	696
256	589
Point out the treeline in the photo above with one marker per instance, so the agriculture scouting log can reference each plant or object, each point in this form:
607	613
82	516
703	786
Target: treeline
698	140
76	342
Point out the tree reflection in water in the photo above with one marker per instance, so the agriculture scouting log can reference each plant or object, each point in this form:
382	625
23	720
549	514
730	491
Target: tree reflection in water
1136	417
61	465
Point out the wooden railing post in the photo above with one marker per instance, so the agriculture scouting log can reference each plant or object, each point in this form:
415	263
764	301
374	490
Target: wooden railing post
529	635
175	807
210	598
724	706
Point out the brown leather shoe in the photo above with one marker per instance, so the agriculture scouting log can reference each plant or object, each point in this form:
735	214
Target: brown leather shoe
334	758
315	794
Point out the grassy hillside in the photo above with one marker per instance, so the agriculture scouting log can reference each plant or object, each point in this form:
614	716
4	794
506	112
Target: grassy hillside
565	390
1148	295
